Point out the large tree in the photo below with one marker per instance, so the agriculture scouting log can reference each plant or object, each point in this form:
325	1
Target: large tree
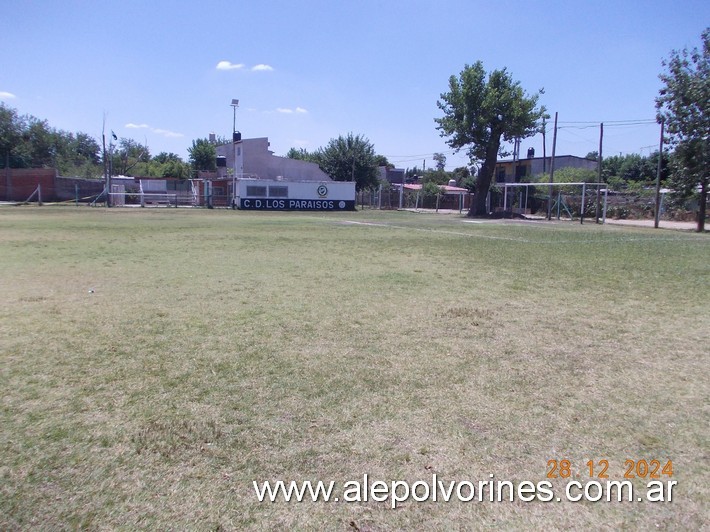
350	158
203	156
480	111
128	155
684	105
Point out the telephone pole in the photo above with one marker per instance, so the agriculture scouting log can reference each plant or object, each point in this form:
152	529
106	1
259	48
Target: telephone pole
658	180
552	170
599	172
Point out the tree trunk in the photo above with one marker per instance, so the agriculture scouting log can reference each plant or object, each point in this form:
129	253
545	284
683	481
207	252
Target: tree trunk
702	204
483	183
478	205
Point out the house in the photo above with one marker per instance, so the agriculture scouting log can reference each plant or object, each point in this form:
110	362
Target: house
392	175
523	169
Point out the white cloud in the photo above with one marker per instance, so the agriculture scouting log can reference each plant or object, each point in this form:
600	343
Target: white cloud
7	96
167	133
157	131
286	110
262	68
228	65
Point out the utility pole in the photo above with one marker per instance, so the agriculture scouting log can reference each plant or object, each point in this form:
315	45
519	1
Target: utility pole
658	180
552	170
599	172
544	147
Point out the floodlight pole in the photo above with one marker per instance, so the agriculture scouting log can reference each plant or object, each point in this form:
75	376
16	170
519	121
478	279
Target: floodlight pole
234	104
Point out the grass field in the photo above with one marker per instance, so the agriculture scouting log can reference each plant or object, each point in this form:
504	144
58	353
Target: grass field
155	362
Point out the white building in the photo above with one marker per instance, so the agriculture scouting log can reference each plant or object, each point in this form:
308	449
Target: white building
252	158
250	176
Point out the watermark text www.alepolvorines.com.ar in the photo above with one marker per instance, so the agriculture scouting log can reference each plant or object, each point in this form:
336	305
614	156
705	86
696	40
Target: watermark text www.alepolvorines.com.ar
437	490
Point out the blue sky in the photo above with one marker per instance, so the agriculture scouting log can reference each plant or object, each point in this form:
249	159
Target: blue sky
164	73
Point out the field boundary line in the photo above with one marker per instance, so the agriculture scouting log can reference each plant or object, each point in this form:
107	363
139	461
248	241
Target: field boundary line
687	238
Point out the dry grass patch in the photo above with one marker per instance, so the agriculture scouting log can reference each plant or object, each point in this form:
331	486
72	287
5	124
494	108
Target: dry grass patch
156	362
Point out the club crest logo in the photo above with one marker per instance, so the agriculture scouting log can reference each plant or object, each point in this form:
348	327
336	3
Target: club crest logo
322	191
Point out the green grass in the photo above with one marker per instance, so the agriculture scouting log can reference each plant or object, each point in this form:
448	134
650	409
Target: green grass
155	362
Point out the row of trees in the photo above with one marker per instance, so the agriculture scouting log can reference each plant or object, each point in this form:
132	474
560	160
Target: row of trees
26	142
29	142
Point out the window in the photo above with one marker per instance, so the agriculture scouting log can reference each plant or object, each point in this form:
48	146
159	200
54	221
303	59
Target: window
278	192
256	191
520	172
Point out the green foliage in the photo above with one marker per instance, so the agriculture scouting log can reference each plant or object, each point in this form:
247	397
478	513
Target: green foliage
128	155
203	156
631	167
481	110
301	154
440	160
381	160
26	142
167	165
430	188
12	127
350	158
683	104
570	175
439	177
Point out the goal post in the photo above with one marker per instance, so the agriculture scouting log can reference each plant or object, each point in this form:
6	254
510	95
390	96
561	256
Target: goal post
568	198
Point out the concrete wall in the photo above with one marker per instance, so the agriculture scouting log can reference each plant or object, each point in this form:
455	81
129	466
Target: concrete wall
301	195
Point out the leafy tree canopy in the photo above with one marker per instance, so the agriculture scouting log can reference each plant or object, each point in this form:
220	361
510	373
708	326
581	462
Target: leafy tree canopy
482	110
26	141
683	104
350	158
203	156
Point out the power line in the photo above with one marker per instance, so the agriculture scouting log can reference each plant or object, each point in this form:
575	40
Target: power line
614	123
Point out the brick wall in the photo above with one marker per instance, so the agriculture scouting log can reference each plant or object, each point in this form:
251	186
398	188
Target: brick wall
17	184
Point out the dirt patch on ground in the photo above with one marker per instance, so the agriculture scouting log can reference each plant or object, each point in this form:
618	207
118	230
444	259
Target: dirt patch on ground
663	224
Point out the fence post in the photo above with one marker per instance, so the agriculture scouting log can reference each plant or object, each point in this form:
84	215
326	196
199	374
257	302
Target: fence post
581	213
39	194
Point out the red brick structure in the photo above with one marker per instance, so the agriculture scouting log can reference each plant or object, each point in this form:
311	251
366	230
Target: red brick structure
18	184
